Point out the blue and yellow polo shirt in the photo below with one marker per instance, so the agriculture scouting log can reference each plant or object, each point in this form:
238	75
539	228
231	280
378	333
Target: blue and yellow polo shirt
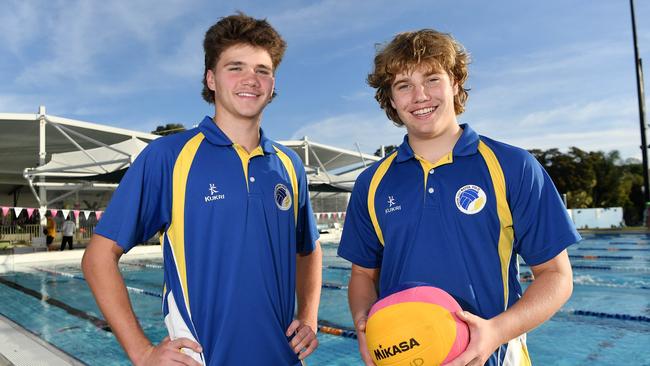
231	224
458	224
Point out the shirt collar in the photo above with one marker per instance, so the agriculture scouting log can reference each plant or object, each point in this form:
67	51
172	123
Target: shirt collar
467	144
216	136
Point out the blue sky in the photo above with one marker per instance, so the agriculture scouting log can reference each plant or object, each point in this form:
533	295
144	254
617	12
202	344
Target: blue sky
554	73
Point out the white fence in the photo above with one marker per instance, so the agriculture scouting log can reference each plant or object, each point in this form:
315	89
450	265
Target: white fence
597	218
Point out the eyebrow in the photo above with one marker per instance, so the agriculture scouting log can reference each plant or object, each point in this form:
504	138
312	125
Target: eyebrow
407	78
402	80
240	63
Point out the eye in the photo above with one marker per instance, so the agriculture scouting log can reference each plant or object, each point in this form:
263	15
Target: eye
403	87
264	72
234	68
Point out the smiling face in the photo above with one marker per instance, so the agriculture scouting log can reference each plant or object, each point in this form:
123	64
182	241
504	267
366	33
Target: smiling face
424	101
242	82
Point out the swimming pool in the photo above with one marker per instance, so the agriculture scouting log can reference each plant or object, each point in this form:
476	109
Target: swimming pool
606	322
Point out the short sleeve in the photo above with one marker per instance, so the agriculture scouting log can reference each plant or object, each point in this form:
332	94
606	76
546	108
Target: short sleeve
306	230
140	205
542	224
359	242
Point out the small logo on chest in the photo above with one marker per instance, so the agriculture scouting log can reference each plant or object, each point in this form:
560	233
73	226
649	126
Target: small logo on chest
470	199
214	194
282	197
392	205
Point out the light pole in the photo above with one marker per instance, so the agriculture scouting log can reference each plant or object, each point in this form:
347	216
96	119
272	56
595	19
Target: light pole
641	98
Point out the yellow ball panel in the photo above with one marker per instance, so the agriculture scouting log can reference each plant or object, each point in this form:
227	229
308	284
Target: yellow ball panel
410	334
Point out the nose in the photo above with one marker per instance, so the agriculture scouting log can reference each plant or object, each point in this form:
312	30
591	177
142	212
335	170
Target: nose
421	94
250	79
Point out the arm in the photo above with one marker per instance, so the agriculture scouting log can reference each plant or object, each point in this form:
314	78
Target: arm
362	294
100	267
309	269
550	289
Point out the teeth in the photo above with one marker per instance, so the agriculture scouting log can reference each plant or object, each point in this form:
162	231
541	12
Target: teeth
246	95
422	111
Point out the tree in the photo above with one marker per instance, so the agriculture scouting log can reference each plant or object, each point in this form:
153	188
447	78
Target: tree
596	179
387	150
169	129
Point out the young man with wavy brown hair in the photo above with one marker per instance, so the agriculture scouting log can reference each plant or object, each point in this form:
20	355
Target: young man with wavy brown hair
235	223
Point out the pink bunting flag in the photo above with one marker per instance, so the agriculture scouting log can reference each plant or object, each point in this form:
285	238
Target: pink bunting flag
98	214
54	212
30	211
76	214
5	210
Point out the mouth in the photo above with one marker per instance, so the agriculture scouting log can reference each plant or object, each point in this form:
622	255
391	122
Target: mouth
424	112
247	95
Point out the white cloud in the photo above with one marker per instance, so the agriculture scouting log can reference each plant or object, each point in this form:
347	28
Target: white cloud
625	140
368	130
80	36
609	124
187	59
329	19
18	25
17	103
363	95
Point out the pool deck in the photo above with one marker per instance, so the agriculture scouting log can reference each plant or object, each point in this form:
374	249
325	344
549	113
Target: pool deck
20	347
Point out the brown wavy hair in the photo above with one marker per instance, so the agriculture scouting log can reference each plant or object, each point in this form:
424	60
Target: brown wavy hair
410	50
239	29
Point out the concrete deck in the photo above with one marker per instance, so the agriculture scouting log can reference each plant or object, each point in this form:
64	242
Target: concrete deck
20	347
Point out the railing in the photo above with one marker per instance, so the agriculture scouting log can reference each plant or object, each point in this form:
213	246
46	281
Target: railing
20	233
26	233
85	232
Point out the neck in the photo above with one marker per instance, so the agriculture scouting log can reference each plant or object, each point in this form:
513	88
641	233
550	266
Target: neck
434	148
244	132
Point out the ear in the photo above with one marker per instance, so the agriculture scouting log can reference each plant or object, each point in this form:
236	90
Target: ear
392	103
209	78
455	88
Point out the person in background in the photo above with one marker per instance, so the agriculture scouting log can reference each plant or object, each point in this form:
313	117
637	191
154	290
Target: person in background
67	233
237	229
50	231
454	209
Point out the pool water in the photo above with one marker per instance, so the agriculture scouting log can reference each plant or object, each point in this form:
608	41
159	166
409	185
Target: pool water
606	322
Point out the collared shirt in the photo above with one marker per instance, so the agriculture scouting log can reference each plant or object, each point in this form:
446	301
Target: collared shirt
457	224
232	223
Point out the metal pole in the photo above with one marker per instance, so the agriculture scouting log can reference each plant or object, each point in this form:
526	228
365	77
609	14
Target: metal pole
42	154
641	98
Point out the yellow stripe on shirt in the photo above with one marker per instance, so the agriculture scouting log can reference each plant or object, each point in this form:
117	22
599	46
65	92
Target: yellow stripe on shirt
506	233
291	170
372	190
176	231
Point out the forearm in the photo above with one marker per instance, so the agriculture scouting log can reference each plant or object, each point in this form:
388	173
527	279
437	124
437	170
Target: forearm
100	267
551	288
309	269
362	292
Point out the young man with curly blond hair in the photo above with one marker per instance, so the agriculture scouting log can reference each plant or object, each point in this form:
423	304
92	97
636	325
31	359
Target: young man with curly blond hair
454	209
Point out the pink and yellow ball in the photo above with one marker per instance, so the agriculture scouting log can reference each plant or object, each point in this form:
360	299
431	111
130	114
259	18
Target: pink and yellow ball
416	327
